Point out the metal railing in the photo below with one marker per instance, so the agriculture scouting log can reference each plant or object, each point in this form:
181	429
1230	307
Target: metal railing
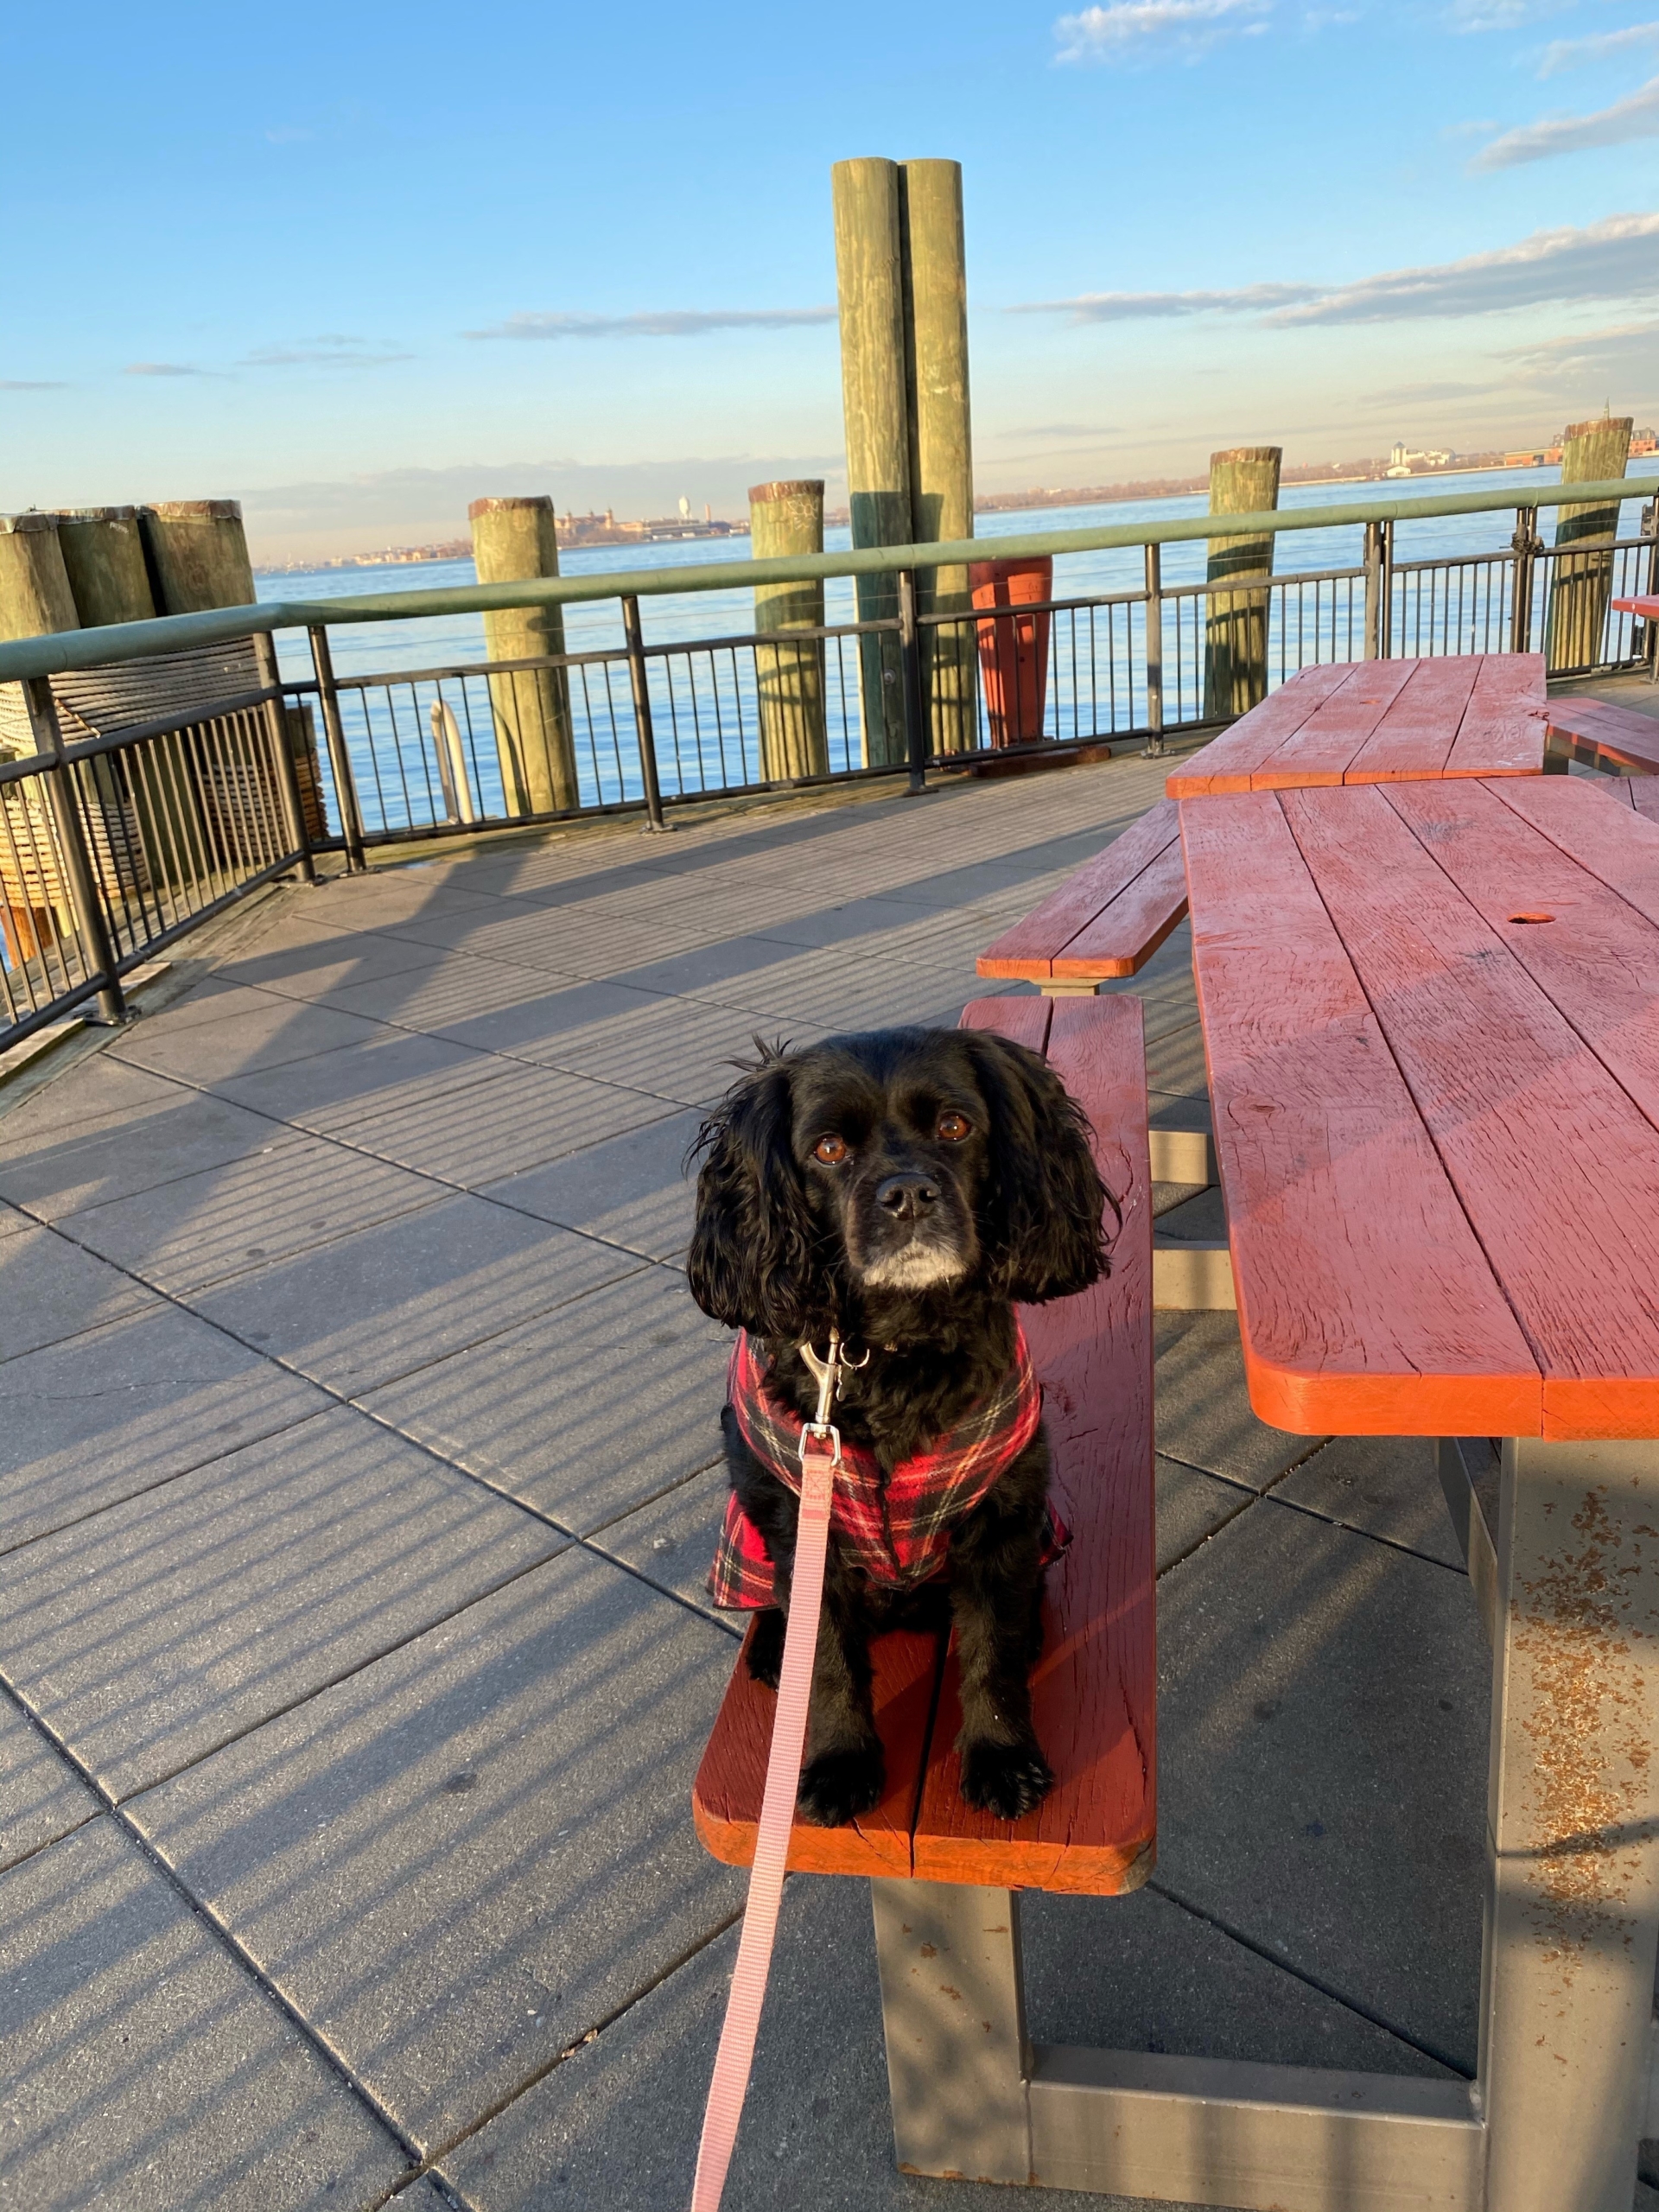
114	844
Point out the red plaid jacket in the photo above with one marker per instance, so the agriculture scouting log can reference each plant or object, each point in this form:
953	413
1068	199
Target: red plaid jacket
898	1530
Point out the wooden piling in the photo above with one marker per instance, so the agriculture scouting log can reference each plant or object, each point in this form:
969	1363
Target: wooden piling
787	518
35	600
198	555
103	556
1243	481
1581	583
941	442
514	539
870	290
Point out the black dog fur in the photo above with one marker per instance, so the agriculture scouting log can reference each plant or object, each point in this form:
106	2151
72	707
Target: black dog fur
909	1185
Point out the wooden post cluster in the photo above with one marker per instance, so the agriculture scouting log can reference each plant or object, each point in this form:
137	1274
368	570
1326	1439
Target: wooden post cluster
36	599
902	289
787	518
1242	481
1581	583
513	540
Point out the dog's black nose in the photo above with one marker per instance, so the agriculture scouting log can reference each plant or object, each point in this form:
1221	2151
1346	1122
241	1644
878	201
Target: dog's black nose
908	1196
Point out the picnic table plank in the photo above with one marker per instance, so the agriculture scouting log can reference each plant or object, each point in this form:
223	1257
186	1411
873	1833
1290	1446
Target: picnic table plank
1227	763
1570	811
1620	735
1392	1324
1502	732
1322	749
1032	947
1524	1116
1594	958
1094	1689
1416	735
1121	941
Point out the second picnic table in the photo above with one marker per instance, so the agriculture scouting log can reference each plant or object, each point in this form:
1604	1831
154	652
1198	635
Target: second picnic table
1430	1018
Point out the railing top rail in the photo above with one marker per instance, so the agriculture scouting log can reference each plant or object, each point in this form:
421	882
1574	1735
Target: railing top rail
21	658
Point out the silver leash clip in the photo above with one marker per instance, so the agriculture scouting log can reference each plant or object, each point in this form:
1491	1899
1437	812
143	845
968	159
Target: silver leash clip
826	1374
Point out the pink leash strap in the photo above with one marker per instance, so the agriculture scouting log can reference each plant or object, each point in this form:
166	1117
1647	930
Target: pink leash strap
748	1994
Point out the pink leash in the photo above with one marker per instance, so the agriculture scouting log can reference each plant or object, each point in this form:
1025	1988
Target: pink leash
820	1457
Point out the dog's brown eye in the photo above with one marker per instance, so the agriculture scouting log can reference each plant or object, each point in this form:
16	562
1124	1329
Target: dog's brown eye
954	1126
830	1150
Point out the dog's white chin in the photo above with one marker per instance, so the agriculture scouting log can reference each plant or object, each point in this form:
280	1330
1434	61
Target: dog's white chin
916	1266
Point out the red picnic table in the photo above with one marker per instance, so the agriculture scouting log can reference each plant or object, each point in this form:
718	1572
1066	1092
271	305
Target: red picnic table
1431	1020
1349	721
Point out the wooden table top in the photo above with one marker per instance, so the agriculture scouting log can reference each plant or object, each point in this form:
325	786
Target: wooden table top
1379	721
1431	1016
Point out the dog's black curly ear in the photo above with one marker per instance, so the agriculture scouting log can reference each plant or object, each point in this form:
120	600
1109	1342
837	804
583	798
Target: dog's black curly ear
751	1257
1045	1199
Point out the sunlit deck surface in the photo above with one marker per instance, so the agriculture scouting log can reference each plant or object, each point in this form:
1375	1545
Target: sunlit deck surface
360	1482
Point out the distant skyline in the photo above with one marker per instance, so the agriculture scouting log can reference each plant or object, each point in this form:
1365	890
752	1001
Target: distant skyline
359	266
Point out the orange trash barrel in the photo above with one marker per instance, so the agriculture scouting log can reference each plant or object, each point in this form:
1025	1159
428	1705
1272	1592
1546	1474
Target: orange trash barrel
1013	646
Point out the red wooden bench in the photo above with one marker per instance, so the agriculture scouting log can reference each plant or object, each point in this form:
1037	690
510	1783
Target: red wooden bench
944	1876
1381	721
1104	922
1616	739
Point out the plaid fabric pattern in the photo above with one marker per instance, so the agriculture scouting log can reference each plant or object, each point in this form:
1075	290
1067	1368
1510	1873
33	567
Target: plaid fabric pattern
897	1530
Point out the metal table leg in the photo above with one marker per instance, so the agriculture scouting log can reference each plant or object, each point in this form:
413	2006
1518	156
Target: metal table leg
1572	1888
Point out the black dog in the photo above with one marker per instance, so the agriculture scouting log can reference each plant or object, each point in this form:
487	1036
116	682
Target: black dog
908	1186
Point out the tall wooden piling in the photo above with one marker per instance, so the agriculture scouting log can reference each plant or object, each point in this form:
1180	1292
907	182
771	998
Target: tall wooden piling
515	539
35	595
870	290
787	518
198	555
1242	481
933	258
1581	582
104	557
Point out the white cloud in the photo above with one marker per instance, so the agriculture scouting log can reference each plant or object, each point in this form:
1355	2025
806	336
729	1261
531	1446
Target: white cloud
1637	117
668	323
1148	31
1575	53
327	351
1500	15
30	383
162	369
1612	260
1139	307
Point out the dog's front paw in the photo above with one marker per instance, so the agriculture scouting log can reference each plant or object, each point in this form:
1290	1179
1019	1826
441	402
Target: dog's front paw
838	1785
1007	1779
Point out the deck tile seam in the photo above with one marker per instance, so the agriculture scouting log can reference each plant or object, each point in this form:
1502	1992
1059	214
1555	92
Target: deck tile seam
218	1931
1309	1979
444	1189
589	2036
1370	1535
1250	1496
341	1400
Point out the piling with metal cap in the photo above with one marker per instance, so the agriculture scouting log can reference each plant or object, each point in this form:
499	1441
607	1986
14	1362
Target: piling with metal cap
35	601
104	557
198	555
941	441
870	289
1581	582
787	518
513	540
1242	481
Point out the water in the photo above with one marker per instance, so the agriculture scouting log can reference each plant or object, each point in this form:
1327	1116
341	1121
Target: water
705	709
370	648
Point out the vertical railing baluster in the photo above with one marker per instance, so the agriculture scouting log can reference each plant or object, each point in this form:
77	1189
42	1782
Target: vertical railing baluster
1154	650
351	820
642	727
85	900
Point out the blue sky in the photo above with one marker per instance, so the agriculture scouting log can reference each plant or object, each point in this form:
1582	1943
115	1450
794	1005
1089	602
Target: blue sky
359	263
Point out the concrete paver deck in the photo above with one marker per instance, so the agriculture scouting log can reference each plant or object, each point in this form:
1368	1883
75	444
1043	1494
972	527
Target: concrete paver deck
358	1473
